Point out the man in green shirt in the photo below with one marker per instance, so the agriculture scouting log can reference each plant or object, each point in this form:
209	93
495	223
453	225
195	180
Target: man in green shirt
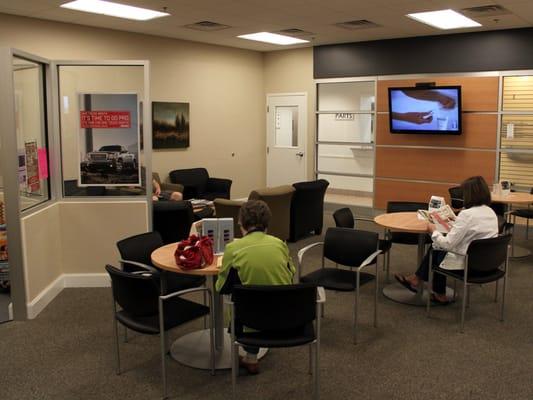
255	259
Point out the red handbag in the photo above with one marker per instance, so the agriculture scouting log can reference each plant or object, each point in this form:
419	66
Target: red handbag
194	252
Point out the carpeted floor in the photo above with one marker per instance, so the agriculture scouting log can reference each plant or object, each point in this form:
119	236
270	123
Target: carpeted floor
67	352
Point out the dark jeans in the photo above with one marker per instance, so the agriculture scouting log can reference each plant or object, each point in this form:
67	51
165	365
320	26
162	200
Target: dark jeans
439	281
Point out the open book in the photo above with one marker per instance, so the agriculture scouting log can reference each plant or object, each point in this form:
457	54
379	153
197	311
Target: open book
443	217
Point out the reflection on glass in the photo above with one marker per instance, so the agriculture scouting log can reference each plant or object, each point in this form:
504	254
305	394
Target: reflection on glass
287	126
517	131
31	132
111	88
345	127
346	96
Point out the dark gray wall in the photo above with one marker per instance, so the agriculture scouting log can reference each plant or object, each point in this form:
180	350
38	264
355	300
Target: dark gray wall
465	52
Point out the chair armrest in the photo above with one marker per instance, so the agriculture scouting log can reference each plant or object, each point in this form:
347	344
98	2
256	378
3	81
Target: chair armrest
139	265
171	187
219	185
321	295
370	259
184	292
449	251
364	219
301	254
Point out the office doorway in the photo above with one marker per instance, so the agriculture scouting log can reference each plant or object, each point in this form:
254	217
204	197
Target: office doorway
286	138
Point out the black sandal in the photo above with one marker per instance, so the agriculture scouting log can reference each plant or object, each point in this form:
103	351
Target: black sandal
405	283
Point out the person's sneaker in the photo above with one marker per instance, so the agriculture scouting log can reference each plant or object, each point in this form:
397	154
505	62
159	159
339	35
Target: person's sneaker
251	368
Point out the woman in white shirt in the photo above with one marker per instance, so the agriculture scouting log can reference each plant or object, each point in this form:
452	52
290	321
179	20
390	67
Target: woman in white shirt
476	221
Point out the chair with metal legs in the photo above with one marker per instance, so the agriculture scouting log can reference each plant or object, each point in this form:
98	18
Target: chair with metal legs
486	261
143	310
344	218
526	213
277	316
350	248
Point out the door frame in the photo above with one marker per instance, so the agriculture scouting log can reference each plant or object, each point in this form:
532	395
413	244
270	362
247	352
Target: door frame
306	121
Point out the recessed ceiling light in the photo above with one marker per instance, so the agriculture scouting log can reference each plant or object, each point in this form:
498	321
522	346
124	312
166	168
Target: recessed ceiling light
444	19
273	38
114	9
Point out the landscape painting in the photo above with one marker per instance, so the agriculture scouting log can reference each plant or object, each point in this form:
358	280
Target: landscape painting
170	125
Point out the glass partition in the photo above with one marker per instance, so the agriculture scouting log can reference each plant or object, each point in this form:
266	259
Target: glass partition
345	140
101	130
31	132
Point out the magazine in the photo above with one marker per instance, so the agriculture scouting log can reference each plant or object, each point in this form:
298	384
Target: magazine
443	217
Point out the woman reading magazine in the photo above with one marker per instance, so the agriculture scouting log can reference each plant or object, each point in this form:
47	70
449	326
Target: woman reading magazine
476	221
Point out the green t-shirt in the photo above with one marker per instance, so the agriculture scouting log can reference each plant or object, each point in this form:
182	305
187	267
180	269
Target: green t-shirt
259	259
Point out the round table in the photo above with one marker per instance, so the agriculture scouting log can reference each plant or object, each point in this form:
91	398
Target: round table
508	200
407	222
193	349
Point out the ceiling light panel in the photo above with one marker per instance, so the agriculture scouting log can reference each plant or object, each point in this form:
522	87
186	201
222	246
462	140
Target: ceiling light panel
273	38
444	19
114	9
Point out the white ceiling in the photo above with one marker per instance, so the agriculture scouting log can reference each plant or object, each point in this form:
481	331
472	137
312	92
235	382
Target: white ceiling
249	16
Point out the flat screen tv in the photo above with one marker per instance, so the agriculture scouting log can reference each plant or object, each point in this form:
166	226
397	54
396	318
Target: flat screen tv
428	109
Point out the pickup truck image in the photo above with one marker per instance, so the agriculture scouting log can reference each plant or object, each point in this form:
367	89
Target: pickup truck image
110	158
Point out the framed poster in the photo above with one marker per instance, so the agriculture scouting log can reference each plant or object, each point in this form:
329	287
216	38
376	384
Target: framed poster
33	184
170	125
108	139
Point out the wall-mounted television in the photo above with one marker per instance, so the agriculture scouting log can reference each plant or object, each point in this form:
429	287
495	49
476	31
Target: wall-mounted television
425	109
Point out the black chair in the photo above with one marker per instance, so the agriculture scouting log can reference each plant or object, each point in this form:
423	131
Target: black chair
351	248
198	185
403	237
526	213
280	316
456	197
143	310
135	252
344	218
173	220
483	264
307	208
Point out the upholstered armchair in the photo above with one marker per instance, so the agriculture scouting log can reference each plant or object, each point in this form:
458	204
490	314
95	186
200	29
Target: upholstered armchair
279	201
197	184
171	187
307	208
229	209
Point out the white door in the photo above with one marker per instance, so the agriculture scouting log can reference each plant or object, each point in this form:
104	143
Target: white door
286	138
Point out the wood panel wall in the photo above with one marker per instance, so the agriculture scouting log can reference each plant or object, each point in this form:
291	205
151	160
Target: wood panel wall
412	167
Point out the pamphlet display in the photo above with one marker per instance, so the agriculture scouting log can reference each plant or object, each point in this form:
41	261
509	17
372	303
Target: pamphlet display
220	231
438	213
108	140
33	184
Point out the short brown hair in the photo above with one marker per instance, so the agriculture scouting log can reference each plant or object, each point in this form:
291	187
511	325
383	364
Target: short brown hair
475	192
254	214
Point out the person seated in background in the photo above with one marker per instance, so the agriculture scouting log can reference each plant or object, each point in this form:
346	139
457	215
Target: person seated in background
158	194
476	221
255	259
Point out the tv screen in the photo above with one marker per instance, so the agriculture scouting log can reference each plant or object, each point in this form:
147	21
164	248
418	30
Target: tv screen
433	109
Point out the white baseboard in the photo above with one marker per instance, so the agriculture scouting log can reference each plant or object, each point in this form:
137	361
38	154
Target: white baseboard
65	281
86	280
45	297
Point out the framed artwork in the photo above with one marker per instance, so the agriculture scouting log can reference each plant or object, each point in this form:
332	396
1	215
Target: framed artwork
170	125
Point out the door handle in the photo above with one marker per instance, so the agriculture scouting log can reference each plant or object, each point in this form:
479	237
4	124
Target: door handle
300	154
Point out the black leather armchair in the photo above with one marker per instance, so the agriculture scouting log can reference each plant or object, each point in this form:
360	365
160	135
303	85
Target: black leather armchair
307	208
198	185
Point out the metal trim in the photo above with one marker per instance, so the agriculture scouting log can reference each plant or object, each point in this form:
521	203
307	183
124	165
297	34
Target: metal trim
434	147
345	174
387	178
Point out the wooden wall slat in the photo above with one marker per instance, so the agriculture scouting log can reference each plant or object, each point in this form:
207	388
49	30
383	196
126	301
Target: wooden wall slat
479	131
389	190
478	93
434	164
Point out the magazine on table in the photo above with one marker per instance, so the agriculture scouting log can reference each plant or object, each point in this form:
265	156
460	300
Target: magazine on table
443	217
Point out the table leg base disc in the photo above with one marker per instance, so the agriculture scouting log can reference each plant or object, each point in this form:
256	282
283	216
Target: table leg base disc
193	350
519	252
401	294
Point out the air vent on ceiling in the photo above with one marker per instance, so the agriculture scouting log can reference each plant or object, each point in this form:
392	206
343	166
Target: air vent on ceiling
295	32
207	26
485	11
357	24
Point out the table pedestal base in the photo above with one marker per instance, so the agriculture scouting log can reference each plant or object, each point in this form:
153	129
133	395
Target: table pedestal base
193	350
519	252
400	294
